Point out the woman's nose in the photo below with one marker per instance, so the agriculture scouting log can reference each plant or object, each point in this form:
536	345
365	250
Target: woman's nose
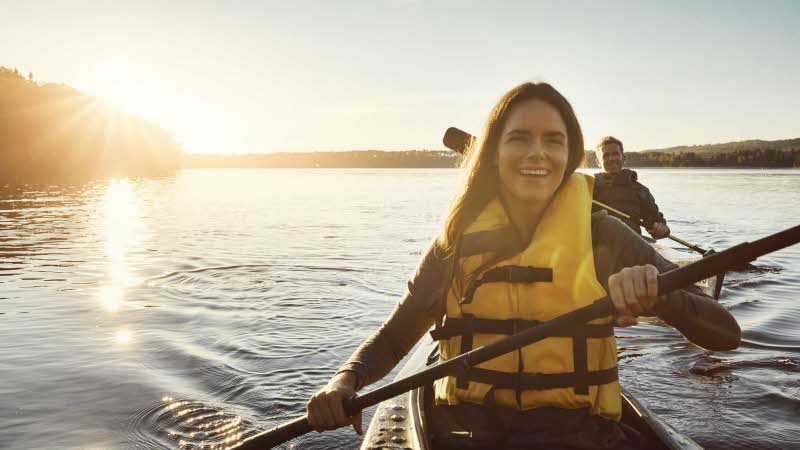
535	149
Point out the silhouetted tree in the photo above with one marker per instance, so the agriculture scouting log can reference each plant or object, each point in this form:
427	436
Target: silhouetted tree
52	132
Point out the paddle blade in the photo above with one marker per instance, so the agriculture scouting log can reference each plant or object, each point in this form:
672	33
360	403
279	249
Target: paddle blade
736	256
457	140
276	436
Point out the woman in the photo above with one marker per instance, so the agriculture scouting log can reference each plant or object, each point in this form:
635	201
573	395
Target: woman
520	245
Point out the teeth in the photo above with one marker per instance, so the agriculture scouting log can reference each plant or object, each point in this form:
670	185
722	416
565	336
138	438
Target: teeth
539	172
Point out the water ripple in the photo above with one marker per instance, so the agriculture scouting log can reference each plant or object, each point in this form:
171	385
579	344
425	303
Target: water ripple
189	424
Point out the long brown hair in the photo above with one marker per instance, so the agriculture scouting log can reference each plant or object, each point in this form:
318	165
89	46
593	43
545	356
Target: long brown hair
481	183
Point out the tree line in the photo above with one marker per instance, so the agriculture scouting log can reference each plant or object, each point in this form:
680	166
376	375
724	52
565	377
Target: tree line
766	158
52	132
753	157
346	159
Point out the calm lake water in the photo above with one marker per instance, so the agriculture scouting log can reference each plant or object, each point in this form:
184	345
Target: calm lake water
208	306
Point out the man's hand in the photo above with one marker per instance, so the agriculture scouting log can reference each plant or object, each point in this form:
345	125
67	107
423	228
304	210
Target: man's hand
658	230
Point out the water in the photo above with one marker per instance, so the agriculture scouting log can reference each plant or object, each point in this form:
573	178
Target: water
202	308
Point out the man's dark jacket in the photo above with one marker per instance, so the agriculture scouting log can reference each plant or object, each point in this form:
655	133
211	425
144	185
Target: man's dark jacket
624	193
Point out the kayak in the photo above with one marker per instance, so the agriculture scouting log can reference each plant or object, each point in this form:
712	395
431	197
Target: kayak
710	286
400	422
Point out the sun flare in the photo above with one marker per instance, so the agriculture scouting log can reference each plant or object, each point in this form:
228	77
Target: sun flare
127	85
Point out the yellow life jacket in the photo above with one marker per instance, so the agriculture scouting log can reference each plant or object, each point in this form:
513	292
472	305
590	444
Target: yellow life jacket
550	276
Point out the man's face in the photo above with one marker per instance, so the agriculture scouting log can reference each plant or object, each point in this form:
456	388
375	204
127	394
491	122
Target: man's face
610	158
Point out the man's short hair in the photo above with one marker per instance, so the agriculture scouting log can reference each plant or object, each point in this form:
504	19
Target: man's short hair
610	140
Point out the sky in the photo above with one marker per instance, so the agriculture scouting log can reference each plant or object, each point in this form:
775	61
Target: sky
264	76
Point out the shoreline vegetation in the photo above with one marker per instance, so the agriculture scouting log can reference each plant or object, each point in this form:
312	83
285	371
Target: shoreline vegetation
52	133
746	154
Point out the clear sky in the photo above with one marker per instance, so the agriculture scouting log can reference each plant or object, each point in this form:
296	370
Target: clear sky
262	76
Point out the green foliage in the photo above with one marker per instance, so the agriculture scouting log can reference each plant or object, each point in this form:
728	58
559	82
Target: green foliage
53	132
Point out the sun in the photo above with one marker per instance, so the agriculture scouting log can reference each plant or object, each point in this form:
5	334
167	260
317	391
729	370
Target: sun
127	85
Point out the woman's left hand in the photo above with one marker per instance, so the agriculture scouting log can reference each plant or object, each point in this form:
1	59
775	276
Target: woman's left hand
634	291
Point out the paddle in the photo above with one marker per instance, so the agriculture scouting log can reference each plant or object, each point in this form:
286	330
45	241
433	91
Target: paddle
459	140
641	223
667	282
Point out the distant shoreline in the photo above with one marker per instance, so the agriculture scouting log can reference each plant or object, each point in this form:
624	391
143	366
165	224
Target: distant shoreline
455	168
432	159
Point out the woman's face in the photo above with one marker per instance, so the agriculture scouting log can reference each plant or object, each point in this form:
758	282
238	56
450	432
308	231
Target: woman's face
532	153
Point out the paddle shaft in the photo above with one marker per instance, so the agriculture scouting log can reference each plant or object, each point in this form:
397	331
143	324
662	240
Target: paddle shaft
641	222
667	282
459	140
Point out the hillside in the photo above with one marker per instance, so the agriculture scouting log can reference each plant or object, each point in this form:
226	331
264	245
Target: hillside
729	147
750	153
52	132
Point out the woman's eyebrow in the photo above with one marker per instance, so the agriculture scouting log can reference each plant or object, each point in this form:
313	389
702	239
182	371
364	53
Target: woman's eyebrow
518	132
555	133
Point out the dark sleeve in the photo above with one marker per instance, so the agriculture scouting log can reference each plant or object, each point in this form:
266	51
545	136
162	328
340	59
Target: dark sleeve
596	192
649	208
416	312
700	318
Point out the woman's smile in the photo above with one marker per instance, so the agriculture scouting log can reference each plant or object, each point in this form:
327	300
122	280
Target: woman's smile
534	172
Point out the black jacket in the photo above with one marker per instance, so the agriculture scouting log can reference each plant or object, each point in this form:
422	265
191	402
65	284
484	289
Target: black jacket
625	193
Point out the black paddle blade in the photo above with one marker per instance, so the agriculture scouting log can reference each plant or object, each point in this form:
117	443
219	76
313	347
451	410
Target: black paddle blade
276	436
736	256
457	140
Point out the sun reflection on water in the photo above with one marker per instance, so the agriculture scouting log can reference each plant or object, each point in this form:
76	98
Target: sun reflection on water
111	298
123	336
120	210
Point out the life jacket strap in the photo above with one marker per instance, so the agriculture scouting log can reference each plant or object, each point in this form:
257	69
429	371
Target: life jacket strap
468	325
508	274
460	326
502	240
521	381
466	345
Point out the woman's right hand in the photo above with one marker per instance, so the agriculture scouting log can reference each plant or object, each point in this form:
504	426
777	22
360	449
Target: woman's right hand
325	410
633	291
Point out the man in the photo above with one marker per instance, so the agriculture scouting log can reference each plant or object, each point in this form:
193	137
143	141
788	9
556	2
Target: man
617	187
